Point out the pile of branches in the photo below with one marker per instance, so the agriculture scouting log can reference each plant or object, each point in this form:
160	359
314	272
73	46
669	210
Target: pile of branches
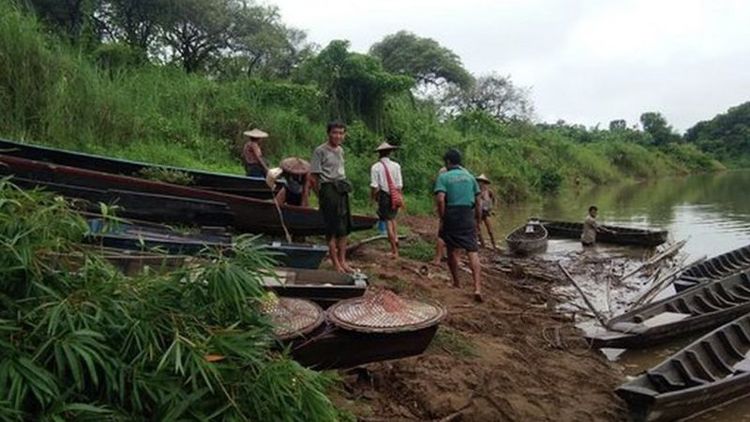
86	342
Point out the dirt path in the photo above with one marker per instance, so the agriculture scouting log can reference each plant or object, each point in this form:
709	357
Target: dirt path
509	358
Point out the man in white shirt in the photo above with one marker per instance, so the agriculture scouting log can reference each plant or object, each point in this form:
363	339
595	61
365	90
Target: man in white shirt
385	177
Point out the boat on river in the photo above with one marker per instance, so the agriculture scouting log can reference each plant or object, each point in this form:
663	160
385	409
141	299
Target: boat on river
621	235
714	268
712	371
527	239
253	187
249	215
693	311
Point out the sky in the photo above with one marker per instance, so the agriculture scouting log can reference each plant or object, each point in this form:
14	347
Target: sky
586	61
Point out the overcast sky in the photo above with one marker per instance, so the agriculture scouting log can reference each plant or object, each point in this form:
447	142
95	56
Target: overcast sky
587	61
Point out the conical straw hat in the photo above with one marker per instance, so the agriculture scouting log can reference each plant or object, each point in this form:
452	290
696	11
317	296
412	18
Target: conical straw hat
255	133
385	146
483	178
295	165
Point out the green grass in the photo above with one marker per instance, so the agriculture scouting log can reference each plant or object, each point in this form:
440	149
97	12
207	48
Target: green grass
454	343
417	249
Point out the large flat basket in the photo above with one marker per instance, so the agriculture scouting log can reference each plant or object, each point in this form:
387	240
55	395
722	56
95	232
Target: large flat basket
385	312
293	317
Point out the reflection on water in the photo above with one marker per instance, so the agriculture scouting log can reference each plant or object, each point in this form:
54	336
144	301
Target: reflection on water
712	211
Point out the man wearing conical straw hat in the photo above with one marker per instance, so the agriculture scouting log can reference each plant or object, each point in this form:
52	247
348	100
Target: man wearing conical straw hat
386	185
295	173
252	154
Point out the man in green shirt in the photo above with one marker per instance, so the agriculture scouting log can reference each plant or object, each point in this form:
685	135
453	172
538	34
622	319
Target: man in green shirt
456	193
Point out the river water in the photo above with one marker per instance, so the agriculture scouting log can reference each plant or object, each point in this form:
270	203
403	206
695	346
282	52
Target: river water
710	211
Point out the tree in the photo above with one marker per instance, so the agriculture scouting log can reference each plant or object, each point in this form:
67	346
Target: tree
356	84
727	135
423	59
262	45
494	95
656	125
197	31
619	124
135	22
74	19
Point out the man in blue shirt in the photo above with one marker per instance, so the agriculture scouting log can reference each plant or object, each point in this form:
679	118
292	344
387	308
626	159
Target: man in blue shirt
456	193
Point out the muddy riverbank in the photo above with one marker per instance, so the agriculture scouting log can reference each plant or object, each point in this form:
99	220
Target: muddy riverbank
513	357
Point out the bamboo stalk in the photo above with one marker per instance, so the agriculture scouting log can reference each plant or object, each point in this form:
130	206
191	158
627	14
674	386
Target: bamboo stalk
598	316
660	285
668	252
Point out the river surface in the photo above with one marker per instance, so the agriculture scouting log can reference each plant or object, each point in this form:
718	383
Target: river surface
710	211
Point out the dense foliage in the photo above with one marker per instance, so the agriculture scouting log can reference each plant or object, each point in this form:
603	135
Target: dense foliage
727	135
81	341
122	95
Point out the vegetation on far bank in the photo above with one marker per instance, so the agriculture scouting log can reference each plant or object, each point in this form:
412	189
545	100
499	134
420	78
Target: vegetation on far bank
98	90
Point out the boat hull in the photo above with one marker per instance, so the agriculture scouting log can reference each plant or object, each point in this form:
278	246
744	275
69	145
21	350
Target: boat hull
714	268
622	235
249	215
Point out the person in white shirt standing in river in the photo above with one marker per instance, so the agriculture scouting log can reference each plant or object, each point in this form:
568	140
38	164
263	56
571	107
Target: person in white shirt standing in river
386	185
591	227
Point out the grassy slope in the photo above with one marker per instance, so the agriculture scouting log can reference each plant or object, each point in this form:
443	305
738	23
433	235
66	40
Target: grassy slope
51	95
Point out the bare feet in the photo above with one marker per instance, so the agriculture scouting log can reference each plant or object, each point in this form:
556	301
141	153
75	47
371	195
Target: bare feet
347	268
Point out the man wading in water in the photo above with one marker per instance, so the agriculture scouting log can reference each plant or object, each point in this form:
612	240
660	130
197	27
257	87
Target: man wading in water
457	193
328	179
590	227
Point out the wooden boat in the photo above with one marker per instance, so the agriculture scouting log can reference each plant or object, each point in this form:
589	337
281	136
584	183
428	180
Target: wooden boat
622	235
712	371
330	347
254	187
693	311
134	237
527	239
249	215
322	287
714	268
141	206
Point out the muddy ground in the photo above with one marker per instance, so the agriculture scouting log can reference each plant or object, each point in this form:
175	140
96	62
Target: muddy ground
512	357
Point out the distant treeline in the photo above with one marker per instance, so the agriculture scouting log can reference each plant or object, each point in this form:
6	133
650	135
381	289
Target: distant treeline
177	82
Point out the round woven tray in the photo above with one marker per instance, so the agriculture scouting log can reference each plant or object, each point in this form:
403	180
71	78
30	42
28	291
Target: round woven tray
385	312
293	317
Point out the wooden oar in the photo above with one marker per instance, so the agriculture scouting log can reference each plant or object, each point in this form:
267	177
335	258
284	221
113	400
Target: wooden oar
596	313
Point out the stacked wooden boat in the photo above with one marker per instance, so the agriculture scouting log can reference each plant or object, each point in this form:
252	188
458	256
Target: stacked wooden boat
356	331
695	310
248	215
713	370
616	234
714	268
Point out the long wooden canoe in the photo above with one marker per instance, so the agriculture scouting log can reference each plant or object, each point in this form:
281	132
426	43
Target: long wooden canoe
714	268
695	310
138	237
622	235
708	373
527	239
250	215
254	187
141	206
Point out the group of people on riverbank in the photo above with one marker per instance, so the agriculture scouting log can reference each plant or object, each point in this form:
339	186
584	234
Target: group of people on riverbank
463	201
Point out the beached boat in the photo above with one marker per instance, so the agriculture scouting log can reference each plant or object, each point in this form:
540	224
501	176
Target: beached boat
254	187
356	331
527	239
325	288
621	235
141	206
249	215
714	268
693	311
712	371
137	237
